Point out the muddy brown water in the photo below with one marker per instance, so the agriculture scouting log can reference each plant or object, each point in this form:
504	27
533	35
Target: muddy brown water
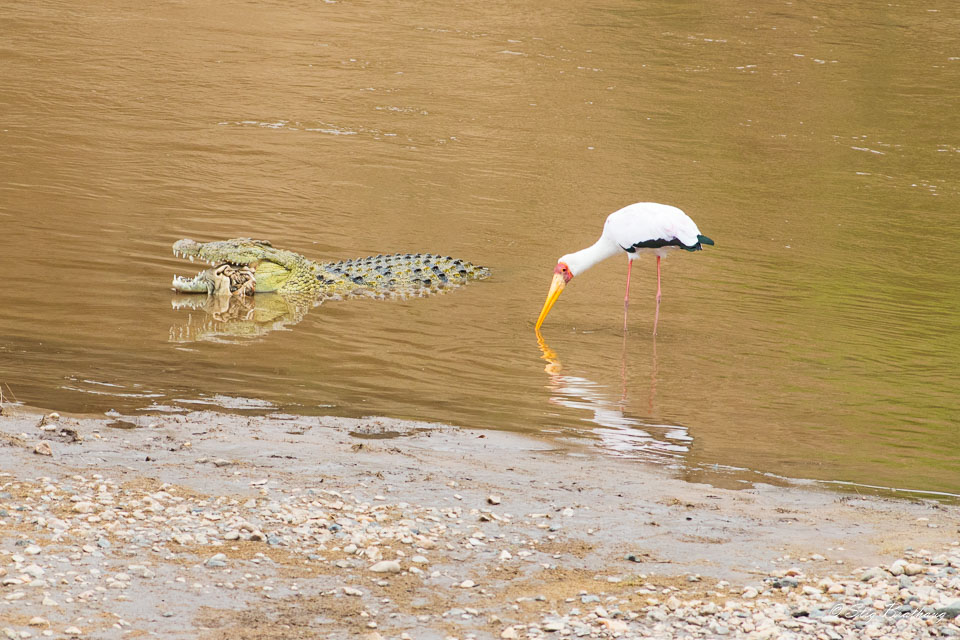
818	145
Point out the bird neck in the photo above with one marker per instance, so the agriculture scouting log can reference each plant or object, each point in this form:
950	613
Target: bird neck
580	261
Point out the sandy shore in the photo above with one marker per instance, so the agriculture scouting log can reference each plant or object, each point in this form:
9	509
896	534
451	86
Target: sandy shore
220	526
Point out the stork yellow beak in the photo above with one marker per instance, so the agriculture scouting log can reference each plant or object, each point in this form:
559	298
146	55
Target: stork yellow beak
556	288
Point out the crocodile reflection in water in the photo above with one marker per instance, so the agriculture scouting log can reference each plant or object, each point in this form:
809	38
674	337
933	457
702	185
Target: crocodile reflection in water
233	318
253	288
619	433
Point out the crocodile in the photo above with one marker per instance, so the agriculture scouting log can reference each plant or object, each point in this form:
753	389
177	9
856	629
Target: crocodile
244	266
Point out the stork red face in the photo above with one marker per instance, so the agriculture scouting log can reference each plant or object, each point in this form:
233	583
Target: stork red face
561	276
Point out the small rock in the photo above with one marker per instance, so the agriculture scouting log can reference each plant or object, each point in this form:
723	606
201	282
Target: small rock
951	611
217	560
467	584
73	631
495	499
386	566
552	625
37	621
84	507
657	615
750	592
33	571
673	603
183	538
871	574
43	448
509	633
141	571
912	569
615	626
350	591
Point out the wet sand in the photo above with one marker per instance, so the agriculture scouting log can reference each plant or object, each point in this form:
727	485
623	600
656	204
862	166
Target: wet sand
210	525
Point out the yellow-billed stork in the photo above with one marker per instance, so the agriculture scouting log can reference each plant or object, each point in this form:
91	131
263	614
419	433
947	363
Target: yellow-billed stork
642	227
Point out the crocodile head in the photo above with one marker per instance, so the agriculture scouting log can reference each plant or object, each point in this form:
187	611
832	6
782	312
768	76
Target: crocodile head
241	266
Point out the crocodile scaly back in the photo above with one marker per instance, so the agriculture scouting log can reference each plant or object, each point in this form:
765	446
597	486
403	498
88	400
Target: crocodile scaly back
399	274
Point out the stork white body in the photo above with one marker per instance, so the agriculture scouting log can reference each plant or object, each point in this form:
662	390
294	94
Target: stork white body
644	227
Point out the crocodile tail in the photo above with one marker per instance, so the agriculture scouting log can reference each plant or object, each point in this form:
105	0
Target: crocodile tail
406	272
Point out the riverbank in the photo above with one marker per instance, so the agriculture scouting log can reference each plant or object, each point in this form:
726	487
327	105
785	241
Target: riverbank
220	526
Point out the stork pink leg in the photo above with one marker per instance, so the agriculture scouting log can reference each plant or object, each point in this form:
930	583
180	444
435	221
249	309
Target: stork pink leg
656	315
626	296
658	281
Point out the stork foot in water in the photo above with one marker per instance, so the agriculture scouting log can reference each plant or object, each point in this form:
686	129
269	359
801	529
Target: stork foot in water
637	228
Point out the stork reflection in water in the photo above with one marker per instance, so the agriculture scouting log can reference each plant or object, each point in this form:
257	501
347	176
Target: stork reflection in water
618	432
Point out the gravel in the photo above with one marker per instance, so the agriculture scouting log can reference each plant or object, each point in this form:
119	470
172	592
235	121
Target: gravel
94	551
